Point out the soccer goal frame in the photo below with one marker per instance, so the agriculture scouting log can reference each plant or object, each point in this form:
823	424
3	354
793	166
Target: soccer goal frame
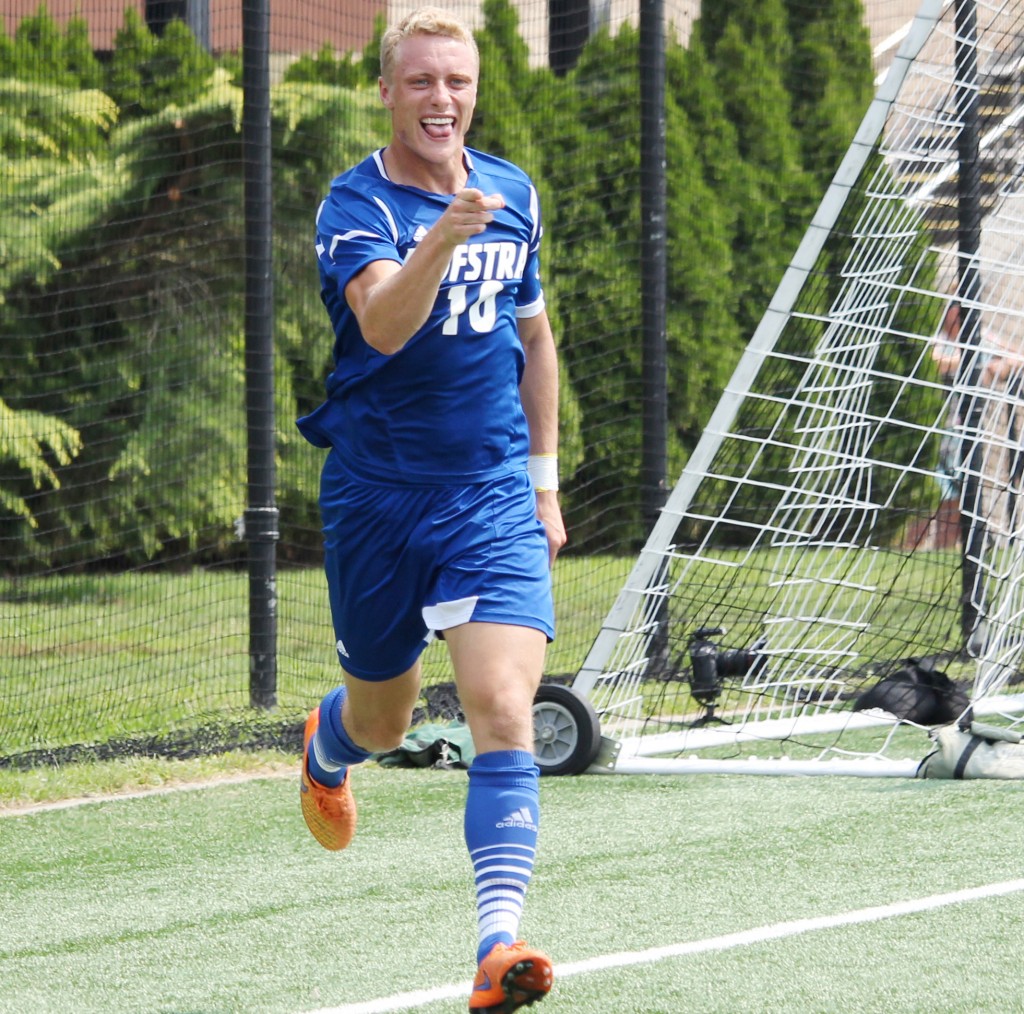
803	525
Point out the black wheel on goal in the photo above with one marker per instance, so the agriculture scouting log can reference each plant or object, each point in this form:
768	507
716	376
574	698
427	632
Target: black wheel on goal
566	730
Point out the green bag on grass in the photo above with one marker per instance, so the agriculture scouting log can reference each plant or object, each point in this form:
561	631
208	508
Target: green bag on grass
432	746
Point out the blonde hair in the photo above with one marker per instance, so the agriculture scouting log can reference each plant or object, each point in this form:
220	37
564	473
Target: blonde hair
423	21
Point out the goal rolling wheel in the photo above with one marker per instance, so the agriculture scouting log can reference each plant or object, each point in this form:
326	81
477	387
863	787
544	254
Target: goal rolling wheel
566	730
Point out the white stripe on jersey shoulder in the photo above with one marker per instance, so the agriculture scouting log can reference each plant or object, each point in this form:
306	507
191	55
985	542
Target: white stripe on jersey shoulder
534	214
387	214
340	238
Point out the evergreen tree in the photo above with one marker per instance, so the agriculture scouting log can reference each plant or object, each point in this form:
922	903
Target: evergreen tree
593	157
704	339
509	94
8	57
134	46
39	51
79	55
371	54
749	65
714	17
327	67
759	108
504	90
830	79
147	73
590	141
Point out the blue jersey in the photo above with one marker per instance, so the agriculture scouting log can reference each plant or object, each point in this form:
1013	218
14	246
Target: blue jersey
445	408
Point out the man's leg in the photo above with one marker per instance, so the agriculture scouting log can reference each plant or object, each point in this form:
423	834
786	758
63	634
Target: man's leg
497	670
359	718
352	722
330	750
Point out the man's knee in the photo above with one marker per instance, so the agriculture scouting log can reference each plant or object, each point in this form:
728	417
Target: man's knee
501	723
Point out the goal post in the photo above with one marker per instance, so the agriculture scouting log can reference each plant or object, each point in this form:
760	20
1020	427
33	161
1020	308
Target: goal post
814	546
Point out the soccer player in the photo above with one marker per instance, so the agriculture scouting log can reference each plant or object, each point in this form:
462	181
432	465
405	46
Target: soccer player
439	491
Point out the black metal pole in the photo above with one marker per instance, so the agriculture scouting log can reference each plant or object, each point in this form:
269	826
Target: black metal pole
568	31
653	256
972	525
653	293
261	529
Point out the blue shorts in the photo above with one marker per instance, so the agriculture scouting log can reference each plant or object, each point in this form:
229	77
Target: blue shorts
405	562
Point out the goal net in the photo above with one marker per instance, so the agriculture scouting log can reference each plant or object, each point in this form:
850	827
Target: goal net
838	568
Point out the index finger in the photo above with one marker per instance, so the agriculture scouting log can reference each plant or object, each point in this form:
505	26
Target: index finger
486	202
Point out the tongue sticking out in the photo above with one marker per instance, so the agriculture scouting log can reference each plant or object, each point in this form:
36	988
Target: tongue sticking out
439	130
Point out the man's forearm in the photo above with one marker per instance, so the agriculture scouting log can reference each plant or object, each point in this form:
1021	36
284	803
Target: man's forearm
539	386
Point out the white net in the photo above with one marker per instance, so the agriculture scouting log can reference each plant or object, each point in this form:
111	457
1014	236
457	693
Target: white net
852	518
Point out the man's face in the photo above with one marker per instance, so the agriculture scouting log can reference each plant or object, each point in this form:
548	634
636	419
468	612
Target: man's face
431	96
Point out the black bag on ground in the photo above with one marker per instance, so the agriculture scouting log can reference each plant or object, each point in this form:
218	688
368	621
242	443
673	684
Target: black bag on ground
915	693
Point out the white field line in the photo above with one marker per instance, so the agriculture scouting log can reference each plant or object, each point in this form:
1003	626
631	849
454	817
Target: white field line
26	809
775	931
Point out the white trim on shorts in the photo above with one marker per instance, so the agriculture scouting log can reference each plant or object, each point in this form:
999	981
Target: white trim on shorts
449	614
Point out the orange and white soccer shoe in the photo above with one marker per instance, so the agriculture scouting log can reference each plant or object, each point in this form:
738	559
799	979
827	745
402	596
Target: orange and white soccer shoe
330	813
510	978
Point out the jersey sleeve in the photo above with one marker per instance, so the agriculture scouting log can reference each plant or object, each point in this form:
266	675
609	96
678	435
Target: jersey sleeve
530	297
352	231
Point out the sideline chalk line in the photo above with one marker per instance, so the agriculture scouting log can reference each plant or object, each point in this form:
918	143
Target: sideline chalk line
744	938
28	808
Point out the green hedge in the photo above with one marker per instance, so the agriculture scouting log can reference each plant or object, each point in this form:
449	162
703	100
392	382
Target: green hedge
123	280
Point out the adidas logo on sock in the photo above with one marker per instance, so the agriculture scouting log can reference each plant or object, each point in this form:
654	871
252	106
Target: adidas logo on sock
519	818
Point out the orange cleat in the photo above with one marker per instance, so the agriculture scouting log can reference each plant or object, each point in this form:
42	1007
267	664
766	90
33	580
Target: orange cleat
510	978
330	813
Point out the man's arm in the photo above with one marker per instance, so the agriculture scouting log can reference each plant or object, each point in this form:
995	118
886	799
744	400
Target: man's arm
392	301
539	393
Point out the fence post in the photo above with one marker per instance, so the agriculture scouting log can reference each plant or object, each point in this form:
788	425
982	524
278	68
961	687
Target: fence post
653	268
261	516
654	290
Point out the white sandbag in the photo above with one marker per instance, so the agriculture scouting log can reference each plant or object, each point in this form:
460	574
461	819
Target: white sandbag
982	751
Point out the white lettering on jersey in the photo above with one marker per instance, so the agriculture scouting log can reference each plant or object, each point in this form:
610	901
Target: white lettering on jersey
460	257
484	262
521	266
489	264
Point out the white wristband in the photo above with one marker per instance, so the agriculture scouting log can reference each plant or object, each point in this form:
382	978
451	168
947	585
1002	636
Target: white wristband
543	469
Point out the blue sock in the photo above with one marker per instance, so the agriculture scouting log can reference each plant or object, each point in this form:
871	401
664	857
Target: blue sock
502	816
330	749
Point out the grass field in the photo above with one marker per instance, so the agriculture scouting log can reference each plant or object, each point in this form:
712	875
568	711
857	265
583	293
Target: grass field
87	658
217	900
